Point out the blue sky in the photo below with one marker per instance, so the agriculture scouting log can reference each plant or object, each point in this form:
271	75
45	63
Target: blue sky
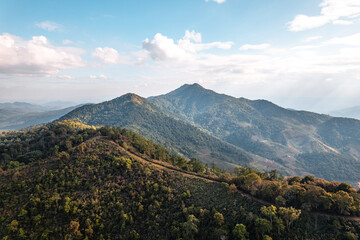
302	54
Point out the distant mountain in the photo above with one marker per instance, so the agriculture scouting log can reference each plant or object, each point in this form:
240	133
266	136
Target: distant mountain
22	107
352	112
297	140
18	115
138	114
55	105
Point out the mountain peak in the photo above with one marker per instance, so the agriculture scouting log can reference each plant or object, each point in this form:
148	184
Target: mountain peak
191	86
191	90
132	97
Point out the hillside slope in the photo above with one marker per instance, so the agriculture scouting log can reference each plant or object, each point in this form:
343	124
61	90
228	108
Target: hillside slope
73	181
138	114
290	138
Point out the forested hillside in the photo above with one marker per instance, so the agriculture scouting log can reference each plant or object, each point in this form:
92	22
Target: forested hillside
301	142
71	181
138	114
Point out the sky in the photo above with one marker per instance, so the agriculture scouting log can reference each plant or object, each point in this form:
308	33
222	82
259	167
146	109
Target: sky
300	54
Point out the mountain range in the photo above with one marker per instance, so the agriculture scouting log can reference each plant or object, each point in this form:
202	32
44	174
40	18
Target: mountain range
197	122
18	115
352	112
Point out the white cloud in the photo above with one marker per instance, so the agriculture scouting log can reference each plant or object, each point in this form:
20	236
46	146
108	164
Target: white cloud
335	9
108	55
254	46
342	22
332	11
103	77
66	41
303	22
36	56
64	77
217	1
352	40
311	39
164	48
48	25
192	36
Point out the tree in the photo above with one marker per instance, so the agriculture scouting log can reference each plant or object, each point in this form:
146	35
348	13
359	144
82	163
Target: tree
232	189
251	182
219	218
190	227
239	232
308	179
289	215
350	236
269	212
345	187
342	202
196	166
262	226
73	230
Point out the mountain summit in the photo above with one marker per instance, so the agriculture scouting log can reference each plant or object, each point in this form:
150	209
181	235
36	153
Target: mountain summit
302	142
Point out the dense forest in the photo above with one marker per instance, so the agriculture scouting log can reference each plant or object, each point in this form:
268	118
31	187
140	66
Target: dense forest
67	180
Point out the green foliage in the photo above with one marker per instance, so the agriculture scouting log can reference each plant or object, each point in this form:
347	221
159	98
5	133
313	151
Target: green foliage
262	226
308	193
86	185
240	233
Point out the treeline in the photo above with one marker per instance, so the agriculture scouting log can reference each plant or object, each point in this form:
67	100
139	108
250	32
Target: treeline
307	193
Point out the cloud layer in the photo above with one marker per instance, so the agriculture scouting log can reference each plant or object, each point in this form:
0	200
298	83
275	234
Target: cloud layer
36	56
324	68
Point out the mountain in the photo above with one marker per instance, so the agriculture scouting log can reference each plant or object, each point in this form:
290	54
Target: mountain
138	114
55	105
67	180
352	112
23	107
15	116
302	142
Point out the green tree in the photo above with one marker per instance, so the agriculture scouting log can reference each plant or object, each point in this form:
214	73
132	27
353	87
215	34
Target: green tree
196	166
342	202
289	215
219	218
239	232
269	211
262	226
251	182
190	227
